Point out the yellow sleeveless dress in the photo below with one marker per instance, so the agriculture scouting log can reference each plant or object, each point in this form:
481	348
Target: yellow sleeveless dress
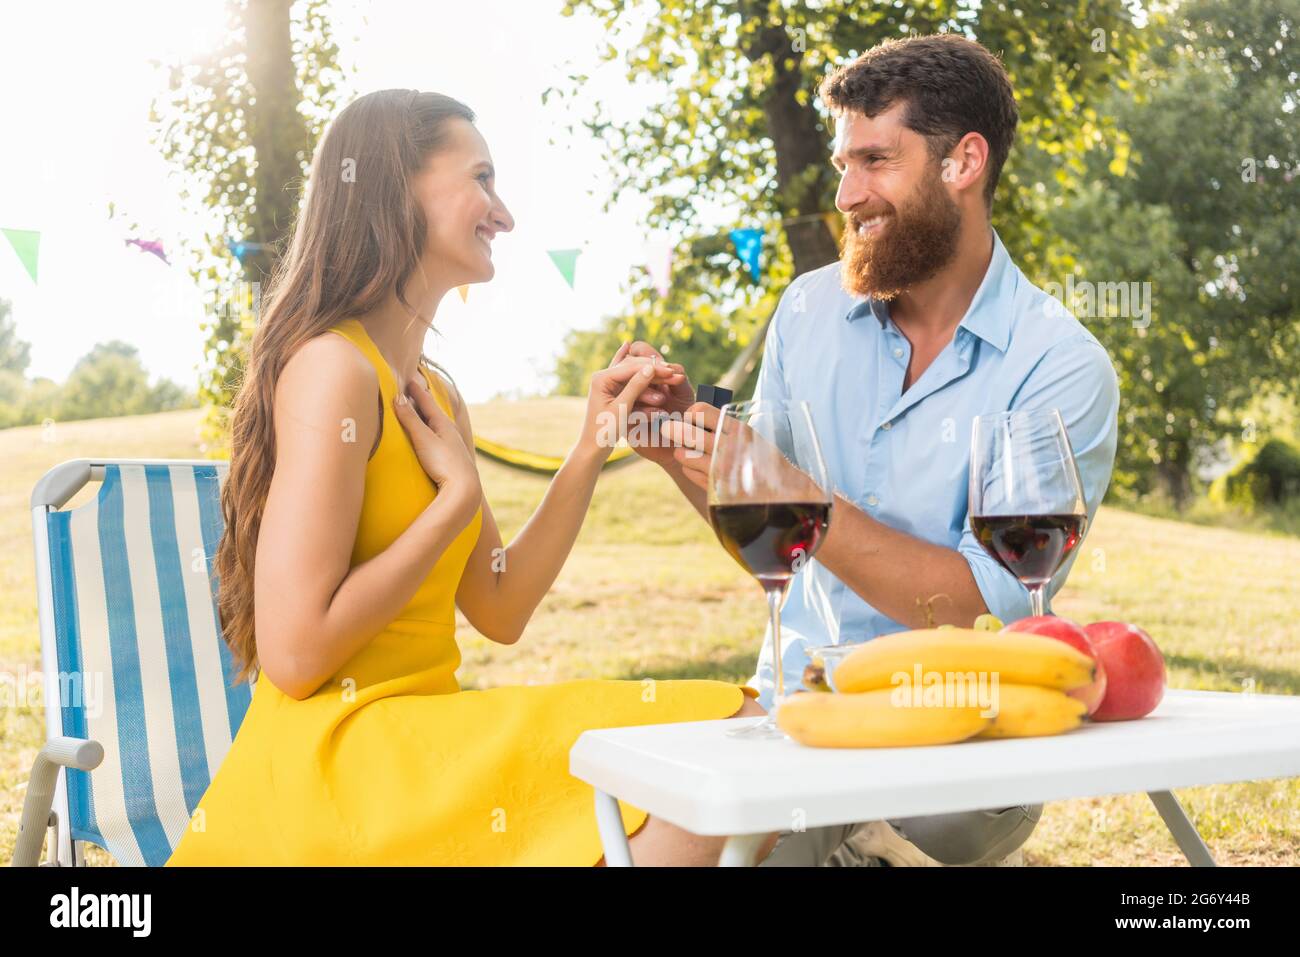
390	762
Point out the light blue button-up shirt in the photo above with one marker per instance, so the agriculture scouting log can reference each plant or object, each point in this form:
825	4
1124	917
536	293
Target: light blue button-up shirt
904	457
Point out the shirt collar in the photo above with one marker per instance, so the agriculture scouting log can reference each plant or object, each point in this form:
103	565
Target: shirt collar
989	313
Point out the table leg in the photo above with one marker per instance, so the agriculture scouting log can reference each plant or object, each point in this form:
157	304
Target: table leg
1175	818
741	850
609	821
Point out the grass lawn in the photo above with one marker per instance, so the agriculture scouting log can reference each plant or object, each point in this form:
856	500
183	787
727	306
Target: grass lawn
648	592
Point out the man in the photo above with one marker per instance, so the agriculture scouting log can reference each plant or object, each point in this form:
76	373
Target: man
924	324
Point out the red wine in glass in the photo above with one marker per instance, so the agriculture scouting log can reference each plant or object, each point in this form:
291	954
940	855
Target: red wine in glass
1026	503
1031	547
771	541
770	508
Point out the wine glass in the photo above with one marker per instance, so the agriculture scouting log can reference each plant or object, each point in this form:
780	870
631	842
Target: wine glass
769	506
1026	504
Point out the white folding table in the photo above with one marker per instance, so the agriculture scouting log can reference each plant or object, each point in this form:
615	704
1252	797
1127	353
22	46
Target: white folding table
693	775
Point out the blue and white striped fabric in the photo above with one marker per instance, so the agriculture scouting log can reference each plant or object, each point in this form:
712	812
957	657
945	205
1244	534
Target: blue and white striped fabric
138	637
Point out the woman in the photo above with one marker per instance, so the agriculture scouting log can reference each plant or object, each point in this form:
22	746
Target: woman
356	524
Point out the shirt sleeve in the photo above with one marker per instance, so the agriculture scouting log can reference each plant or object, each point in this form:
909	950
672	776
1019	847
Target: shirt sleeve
771	382
1076	377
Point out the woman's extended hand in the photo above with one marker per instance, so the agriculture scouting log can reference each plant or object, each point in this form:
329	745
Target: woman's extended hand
613	397
439	447
673	396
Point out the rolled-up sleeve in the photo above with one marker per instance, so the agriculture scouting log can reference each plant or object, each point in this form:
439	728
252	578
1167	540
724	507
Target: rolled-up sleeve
1076	377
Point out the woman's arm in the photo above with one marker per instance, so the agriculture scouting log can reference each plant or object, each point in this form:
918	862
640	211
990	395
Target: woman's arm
502	586
312	612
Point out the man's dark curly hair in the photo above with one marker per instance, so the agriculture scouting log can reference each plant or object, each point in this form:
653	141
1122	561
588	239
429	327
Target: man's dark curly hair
951	85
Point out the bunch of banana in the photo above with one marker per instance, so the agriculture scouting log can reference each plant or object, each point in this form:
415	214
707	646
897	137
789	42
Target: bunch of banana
1030	711
885	696
872	720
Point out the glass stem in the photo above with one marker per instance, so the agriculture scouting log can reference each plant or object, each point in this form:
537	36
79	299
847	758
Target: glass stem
1036	602
774	602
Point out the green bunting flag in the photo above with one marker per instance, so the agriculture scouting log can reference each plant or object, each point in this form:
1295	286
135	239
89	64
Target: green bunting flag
26	243
566	260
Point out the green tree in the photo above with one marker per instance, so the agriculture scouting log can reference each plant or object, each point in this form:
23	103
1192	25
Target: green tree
738	127
14	358
15	355
40	401
706	345
239	126
13	390
109	381
1205	212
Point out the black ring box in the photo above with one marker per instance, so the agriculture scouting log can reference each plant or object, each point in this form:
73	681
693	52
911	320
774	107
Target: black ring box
714	395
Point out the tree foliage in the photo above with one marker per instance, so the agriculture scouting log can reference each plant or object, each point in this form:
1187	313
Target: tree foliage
108	381
1205	212
737	136
15	355
238	126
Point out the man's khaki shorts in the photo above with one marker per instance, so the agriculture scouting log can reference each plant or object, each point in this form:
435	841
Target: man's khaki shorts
964	838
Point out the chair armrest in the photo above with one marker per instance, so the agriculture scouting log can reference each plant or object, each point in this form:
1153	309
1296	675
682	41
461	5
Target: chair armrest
77	753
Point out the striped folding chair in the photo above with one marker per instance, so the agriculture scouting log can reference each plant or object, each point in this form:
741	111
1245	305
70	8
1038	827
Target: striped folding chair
132	653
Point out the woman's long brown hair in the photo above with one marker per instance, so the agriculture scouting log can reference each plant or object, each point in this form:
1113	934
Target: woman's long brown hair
358	236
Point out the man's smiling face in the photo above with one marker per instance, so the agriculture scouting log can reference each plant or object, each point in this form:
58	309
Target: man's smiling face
901	224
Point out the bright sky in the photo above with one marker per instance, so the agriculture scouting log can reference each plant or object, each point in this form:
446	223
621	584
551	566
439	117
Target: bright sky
75	90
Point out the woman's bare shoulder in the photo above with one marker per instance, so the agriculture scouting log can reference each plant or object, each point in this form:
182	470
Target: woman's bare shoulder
327	376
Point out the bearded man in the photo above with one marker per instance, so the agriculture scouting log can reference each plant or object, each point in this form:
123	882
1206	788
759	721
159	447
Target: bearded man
923	324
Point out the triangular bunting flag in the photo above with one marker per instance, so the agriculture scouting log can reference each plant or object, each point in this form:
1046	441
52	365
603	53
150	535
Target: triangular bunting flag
27	244
749	248
566	260
154	246
464	293
241	249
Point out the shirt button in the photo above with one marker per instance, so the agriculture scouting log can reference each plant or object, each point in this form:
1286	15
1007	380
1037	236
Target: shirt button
872	501
898	353
887	426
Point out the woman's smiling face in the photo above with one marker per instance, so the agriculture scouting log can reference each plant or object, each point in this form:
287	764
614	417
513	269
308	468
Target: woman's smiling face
457	189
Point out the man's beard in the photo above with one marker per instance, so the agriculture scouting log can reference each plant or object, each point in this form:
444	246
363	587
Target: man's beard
913	243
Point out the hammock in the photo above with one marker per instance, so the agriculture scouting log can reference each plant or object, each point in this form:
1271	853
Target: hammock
535	462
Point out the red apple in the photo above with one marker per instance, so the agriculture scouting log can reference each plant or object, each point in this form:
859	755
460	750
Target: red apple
1135	667
1062	629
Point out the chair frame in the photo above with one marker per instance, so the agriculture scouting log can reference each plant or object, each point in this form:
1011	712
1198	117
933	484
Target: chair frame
45	805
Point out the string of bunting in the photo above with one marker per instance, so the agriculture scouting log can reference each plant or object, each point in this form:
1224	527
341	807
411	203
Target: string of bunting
747	242
657	259
657	251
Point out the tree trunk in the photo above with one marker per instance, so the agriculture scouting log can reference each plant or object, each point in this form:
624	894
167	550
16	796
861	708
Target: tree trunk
1176	482
276	129
799	146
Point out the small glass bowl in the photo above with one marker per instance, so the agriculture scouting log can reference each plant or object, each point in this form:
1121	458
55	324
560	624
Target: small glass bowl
830	656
